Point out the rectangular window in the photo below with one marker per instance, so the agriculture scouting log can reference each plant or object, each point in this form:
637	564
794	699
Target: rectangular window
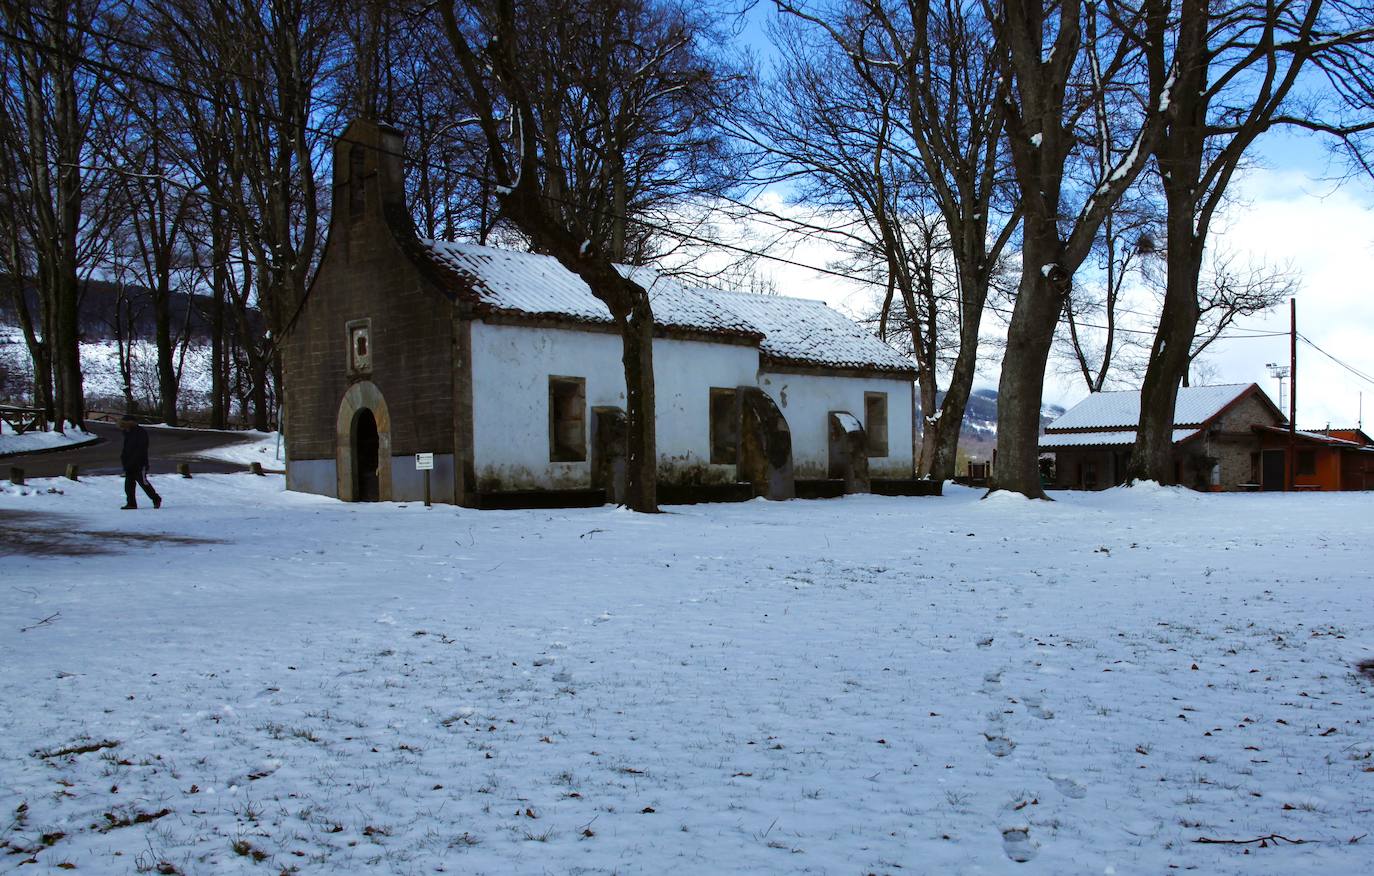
360	346
567	419
875	422
1307	462
724	427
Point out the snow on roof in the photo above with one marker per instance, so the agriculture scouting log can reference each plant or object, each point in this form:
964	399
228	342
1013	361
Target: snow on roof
1318	436
806	331
1104	439
508	280
795	330
1121	410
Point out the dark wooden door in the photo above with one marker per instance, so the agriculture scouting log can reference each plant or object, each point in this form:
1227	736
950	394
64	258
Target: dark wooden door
1273	470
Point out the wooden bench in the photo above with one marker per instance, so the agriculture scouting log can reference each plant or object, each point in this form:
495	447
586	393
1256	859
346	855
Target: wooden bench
23	420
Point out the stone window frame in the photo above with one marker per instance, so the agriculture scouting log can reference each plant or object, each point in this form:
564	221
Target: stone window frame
355	366
567	434
877	437
723	416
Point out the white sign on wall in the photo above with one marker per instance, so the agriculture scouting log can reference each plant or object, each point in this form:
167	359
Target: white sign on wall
424	461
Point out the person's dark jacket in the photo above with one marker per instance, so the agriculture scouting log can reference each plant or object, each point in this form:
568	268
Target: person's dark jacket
134	456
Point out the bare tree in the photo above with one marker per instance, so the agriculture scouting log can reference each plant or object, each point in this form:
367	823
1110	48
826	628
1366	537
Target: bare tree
1096	336
158	209
1241	69
1229	292
930	71
400	72
1058	57
51	93
595	113
255	75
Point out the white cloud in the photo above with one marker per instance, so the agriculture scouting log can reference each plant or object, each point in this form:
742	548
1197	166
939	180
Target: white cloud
1326	232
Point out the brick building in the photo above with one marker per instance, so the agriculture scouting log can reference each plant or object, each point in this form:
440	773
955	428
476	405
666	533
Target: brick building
507	369
1217	440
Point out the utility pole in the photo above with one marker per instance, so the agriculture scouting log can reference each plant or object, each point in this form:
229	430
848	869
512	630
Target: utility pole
1293	393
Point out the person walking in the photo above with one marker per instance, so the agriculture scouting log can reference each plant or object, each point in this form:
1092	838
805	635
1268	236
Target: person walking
134	458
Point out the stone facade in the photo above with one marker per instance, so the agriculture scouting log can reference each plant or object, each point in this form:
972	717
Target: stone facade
366	282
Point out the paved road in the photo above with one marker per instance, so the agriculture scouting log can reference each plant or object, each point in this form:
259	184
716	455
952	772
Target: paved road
166	447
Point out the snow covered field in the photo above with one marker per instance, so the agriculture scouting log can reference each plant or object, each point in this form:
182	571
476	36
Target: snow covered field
254	679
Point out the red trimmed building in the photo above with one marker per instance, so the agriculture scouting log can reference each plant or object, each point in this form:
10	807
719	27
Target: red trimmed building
1229	437
1326	459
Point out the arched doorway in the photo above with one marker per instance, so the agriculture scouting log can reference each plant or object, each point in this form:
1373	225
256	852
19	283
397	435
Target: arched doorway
362	445
366	485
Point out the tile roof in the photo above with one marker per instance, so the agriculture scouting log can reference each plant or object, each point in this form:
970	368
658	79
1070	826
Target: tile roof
536	285
1121	410
796	331
1316	437
1124	438
807	332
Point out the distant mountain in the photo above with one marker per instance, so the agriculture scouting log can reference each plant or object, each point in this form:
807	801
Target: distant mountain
979	434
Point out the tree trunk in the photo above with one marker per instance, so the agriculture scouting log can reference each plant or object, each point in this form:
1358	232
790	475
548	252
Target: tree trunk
1179	156
166	371
1153	455
1039	301
38	350
930	431
973	292
951	424
637	335
219	253
66	349
259	393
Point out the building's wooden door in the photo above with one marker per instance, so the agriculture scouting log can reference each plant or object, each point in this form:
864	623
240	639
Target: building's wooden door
1272	476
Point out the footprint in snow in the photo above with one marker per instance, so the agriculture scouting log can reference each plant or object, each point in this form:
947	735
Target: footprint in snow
1034	706
1000	746
1068	787
1016	842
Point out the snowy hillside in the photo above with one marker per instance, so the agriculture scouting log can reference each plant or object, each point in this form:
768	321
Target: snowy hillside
100	370
1134	681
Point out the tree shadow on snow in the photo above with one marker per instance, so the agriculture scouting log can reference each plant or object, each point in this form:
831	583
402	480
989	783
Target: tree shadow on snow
37	533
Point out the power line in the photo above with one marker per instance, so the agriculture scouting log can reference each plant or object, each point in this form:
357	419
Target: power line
1352	369
461	172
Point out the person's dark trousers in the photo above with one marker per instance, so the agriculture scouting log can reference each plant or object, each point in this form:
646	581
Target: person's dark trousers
138	477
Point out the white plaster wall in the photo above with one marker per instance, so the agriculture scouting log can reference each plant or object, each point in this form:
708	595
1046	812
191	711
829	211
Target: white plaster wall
684	372
511	366
806	401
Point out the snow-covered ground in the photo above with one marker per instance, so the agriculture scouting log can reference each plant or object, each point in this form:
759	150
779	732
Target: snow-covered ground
10	442
264	447
249	678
